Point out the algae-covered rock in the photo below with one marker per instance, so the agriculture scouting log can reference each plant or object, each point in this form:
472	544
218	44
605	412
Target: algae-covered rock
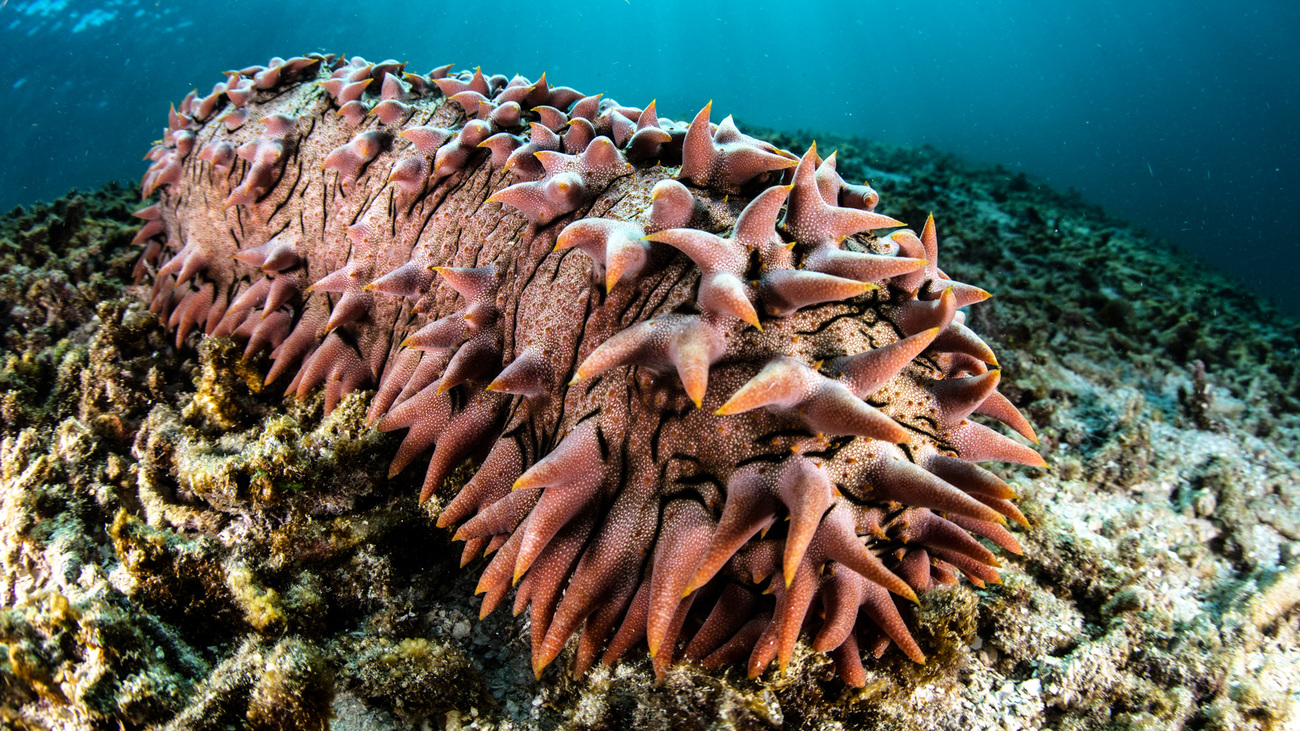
414	677
58	260
182	547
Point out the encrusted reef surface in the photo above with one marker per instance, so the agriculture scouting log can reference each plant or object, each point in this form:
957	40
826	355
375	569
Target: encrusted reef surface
184	548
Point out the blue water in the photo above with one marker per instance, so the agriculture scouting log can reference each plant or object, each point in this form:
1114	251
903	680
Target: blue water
1176	114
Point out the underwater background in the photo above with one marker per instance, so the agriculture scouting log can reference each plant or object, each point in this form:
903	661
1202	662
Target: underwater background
1177	115
186	546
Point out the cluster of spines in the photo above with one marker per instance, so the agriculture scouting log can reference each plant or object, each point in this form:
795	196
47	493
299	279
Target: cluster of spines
914	511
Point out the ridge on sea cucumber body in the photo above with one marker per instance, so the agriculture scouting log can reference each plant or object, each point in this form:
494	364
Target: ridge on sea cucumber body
716	400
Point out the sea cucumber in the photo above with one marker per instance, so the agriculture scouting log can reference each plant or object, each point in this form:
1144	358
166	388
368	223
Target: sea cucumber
714	399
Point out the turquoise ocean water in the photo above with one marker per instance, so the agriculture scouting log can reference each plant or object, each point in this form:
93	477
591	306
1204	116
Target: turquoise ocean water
1176	114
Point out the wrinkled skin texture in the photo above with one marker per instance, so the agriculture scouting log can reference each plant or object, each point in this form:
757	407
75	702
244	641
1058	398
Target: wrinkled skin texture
718	401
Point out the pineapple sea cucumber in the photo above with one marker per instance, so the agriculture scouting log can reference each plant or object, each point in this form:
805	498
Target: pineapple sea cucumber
714	399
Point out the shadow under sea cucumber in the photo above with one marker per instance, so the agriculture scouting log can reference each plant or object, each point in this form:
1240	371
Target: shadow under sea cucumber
716	400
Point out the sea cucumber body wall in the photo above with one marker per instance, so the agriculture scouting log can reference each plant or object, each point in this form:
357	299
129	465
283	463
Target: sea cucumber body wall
715	399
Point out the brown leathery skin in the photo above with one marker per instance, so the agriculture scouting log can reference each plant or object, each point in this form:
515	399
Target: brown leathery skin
717	400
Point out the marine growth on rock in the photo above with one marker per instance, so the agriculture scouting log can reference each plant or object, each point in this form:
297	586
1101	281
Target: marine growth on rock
714	399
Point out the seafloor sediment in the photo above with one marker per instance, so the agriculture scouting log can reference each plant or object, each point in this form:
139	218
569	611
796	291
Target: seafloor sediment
182	549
